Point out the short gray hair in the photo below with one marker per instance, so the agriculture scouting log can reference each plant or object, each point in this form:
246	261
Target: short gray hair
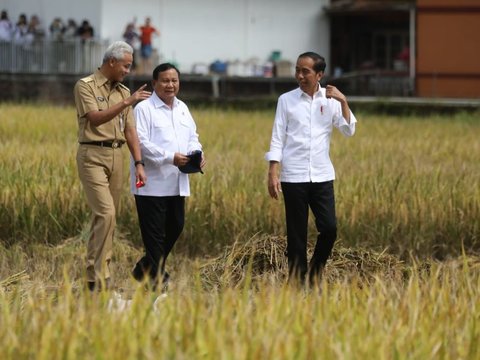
117	50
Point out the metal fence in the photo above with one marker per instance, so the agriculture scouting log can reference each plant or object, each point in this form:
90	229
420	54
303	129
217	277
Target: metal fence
374	83
76	57
51	57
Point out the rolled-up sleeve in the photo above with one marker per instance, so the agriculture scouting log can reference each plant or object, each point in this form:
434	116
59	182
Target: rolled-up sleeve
347	129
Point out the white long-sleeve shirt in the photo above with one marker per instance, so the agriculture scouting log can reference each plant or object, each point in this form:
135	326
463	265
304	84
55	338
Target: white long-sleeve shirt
163	131
301	135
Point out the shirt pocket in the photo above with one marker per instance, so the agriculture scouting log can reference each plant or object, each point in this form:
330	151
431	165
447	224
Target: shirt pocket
294	124
101	103
163	132
162	124
184	129
323	120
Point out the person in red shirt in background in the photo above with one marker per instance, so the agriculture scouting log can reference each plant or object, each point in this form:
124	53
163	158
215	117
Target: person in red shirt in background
146	32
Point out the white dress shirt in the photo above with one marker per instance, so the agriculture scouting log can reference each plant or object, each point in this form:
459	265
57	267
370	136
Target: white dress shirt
301	135
163	131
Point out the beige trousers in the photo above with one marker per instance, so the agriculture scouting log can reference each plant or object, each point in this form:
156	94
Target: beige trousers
101	172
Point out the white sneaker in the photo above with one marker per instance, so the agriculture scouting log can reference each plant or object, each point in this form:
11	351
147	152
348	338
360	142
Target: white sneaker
158	300
116	303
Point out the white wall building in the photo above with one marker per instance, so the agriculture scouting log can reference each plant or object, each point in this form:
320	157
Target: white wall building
199	31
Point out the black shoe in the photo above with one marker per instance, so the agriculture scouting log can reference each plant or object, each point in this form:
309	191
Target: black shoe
98	285
141	269
154	283
315	279
138	273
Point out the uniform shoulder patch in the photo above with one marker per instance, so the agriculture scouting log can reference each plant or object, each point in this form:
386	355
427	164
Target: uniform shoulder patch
123	87
87	79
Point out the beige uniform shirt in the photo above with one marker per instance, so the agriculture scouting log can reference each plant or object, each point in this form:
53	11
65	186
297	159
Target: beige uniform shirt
95	93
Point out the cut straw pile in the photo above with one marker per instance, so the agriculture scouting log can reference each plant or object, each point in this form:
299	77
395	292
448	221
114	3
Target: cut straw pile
264	256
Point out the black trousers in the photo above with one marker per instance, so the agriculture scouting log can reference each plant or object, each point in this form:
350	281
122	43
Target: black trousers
298	197
161	223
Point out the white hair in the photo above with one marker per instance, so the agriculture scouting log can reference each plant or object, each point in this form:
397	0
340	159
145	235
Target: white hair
117	50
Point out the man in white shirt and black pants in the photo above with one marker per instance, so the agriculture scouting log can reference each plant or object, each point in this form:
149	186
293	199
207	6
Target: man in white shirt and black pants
300	142
167	134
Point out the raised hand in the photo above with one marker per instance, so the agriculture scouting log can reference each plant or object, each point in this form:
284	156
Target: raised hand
139	95
333	93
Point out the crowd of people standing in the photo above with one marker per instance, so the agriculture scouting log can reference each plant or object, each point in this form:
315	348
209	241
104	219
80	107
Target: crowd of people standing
27	30
28	45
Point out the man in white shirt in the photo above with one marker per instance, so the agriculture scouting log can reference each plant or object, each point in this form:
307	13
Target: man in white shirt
300	142
167	133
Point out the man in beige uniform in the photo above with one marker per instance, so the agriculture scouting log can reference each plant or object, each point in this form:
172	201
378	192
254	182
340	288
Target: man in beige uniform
105	123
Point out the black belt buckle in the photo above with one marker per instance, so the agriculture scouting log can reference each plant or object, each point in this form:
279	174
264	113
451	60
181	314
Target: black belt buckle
116	144
111	144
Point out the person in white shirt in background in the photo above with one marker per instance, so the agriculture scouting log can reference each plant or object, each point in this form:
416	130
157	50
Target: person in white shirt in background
167	133
300	143
6	27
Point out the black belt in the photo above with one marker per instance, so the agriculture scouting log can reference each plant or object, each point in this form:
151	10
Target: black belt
111	144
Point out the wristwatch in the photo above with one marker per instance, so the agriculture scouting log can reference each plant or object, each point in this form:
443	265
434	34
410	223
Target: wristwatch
139	162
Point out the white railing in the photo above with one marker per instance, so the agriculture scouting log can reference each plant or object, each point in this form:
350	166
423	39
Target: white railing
51	57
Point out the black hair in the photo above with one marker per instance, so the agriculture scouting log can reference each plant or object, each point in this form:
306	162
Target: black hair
164	67
319	61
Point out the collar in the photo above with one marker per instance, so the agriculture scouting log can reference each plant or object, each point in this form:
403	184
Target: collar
158	103
319	93
102	80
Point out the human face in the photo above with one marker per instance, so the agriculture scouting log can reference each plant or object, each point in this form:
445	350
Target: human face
167	85
120	67
306	77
